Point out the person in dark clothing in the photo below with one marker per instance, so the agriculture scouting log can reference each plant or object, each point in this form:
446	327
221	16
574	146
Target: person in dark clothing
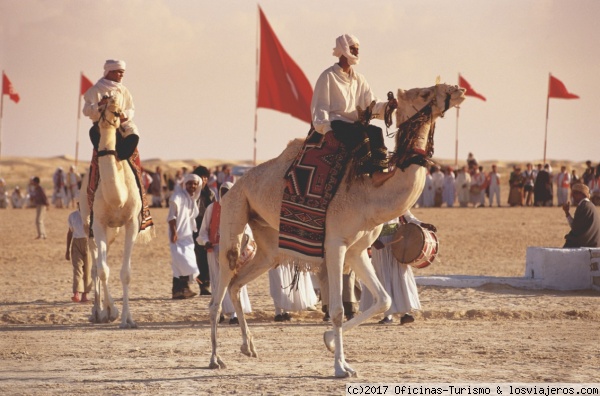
542	189
585	224
207	196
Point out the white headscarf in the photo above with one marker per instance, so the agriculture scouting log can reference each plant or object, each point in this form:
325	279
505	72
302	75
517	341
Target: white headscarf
226	185
342	47
112	64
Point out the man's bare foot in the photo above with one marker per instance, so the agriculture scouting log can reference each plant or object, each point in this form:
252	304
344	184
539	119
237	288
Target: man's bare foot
381	177
75	297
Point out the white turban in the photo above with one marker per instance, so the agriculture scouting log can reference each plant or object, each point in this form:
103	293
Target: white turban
342	47
111	65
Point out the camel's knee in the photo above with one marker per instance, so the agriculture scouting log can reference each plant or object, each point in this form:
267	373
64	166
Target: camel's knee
232	257
125	276
337	315
386	302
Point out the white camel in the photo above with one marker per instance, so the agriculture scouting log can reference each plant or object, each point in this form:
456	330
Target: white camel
353	222
117	203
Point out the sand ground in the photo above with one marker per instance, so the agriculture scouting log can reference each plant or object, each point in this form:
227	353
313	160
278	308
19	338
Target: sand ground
488	334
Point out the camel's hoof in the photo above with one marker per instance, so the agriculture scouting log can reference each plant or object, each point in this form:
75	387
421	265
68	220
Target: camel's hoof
248	351
217	365
130	324
113	314
329	339
345	374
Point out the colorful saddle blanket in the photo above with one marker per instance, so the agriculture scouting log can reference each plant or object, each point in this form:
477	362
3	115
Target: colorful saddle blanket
311	183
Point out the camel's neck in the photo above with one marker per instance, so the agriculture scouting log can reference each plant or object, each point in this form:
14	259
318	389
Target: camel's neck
112	172
398	194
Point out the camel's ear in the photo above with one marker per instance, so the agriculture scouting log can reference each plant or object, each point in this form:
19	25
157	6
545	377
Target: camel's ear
400	93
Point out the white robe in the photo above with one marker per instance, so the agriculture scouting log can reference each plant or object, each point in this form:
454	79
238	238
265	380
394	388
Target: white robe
181	209
336	96
428	193
449	192
214	268
397	279
284	297
107	87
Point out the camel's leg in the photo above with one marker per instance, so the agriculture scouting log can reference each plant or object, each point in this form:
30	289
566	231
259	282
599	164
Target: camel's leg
334	260
266	239
225	275
362	266
94	317
106	309
130	235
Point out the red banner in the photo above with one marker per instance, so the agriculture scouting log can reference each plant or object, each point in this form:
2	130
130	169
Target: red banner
556	89
282	85
470	91
85	84
8	89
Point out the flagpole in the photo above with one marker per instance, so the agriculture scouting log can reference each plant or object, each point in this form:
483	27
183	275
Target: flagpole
78	122
456	145
257	77
547	111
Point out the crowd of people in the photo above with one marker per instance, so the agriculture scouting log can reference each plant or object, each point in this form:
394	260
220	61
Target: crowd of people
474	186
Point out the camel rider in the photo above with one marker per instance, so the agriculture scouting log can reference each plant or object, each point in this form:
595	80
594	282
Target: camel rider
97	96
338	93
127	137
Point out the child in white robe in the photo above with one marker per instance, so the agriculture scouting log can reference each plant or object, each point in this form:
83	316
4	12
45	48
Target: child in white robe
289	296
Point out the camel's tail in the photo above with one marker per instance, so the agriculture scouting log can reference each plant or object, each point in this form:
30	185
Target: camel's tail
235	214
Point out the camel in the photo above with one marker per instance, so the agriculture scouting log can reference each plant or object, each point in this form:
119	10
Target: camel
117	203
354	220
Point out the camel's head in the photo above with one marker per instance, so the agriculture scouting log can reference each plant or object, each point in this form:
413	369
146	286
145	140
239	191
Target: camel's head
441	96
110	113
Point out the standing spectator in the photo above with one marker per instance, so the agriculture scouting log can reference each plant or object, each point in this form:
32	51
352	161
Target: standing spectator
589	172
156	187
72	181
449	193
58	194
542	188
206	198
471	162
169	187
221	176
529	176
3	194
438	185
494	185
563	183
463	186
516	183
477	191
209	236
78	253
17	198
574	177
428	194
40	200
594	187
181	218
397	278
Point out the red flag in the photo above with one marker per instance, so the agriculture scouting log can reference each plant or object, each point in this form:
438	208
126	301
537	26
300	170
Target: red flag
8	89
282	85
556	89
470	91
85	84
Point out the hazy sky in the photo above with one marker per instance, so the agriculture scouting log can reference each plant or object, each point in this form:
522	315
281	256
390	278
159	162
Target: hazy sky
191	67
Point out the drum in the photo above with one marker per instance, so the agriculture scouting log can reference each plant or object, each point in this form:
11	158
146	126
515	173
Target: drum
475	189
415	246
248	250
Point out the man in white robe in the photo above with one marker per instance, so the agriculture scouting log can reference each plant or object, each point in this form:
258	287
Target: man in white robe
449	192
438	186
494	185
397	279
338	92
183	210
463	185
563	183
